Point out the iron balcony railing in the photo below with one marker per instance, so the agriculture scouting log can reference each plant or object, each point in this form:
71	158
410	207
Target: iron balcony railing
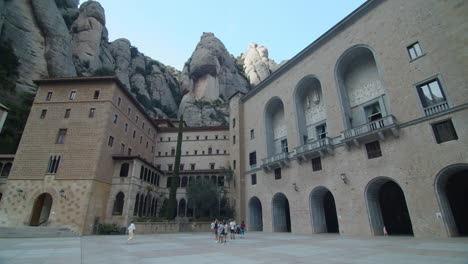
430	110
313	146
370	127
277	160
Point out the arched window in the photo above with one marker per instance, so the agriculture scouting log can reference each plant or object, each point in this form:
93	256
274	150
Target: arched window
137	201
182	206
124	170
118	204
184	182
6	170
142	170
276	128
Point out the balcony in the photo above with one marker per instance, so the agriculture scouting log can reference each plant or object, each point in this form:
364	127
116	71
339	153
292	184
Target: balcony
430	110
319	147
276	161
372	129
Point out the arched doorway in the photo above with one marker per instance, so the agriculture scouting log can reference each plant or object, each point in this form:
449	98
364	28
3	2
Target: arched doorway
451	188
281	216
323	211
182	207
387	208
41	209
255	215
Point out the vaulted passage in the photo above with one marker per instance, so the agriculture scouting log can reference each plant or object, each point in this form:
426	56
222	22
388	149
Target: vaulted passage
323	210
281	215
394	211
255	215
387	208
452	191
41	209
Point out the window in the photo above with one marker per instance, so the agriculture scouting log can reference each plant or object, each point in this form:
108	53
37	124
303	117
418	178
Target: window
43	113
198	137
210	150
160	139
284	145
118	204
126	127
67	113
141	139
253	159
147	144
216	137
92	111
414	51
224	137
321	131
373	112
169	167
187	137
224	151
221	181
165	153
54	162
110	143
143	125
233	123
212	166
129	151
122	148
172	152
254	178
181	167
233	139
61	136
234	164
129	111
119	100
158	166
373	150
206	137
444	131
49	96
159	153
168	138
96	94
432	97
116	117
252	134
195	152
217	151
136	119
134	133
316	164
192	166
124	170
72	95
277	173
203	152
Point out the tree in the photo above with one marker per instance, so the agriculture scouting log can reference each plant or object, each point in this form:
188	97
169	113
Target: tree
204	197
172	206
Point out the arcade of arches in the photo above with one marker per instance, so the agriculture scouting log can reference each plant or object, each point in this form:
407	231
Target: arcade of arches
386	204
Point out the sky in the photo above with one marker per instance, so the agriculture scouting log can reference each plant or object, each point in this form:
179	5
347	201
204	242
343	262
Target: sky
168	31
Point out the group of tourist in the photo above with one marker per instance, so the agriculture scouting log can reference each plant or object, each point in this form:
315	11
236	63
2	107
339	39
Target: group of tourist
221	229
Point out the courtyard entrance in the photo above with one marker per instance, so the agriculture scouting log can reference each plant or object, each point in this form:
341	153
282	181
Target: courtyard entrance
387	208
41	209
255	215
452	191
323	210
281	216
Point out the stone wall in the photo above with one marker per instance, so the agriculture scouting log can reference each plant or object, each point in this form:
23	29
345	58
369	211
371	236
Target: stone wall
169	227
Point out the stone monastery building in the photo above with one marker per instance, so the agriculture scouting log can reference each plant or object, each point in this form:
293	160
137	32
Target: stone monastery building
365	128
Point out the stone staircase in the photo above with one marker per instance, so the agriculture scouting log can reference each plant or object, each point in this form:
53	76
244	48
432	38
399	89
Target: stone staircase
35	231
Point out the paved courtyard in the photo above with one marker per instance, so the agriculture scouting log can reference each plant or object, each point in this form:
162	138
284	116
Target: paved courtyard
254	248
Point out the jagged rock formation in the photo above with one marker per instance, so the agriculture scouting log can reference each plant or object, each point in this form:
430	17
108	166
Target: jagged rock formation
257	65
55	38
209	75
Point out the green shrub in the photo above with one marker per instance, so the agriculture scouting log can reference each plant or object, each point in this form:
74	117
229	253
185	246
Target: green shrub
108	228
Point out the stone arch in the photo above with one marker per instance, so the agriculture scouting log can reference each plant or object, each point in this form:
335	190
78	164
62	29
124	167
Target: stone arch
361	88
310	108
255	214
451	188
281	218
41	209
135	208
387	207
275	126
141	205
118	204
323	211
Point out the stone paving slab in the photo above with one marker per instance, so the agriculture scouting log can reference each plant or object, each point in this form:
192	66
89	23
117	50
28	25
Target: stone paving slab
254	248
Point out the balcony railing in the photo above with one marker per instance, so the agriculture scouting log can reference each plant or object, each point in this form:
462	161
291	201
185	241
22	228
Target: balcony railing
275	161
430	110
320	147
377	127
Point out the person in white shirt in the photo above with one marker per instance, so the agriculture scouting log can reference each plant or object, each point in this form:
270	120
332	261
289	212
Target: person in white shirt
232	225
131	229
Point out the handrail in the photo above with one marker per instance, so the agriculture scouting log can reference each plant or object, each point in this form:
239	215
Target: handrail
369	127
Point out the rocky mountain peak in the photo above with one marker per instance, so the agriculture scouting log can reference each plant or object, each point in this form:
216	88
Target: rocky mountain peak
257	65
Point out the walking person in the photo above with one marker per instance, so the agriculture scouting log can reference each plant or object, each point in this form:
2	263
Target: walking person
232	225
226	230
242	228
131	230
220	232
215	229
